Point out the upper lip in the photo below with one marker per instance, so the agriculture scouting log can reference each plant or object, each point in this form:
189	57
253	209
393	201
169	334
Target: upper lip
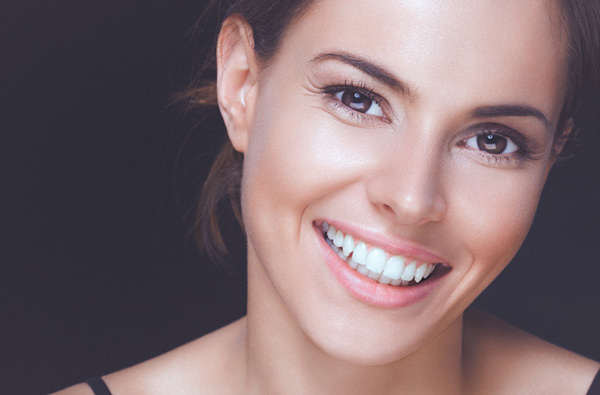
394	246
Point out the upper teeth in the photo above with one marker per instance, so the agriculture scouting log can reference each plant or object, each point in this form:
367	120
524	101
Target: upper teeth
375	262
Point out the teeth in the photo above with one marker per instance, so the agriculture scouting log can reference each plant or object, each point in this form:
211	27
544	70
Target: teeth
409	272
420	272
338	240
394	268
331	232
373	275
362	269
376	261
429	270
348	245
360	253
373	263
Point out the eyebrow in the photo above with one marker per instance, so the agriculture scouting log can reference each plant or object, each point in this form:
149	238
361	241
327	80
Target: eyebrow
508	110
387	78
367	67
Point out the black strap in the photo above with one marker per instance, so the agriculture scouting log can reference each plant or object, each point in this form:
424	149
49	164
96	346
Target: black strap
595	387
98	386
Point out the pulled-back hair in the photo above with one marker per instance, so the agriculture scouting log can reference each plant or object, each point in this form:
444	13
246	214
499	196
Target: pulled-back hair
269	20
581	19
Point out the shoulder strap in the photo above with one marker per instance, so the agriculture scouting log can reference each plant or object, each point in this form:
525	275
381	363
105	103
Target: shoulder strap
595	387
98	386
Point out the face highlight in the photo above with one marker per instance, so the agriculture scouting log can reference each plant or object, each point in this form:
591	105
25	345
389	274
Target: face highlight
420	132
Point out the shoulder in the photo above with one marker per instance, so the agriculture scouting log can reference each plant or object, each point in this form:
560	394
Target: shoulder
503	358
203	363
78	389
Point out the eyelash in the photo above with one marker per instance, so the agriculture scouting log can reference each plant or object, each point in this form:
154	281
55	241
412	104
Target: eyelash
361	88
522	154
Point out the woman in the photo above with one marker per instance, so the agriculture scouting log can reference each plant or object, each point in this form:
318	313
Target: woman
393	156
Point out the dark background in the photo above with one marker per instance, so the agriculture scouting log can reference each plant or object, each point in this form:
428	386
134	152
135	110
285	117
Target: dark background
98	176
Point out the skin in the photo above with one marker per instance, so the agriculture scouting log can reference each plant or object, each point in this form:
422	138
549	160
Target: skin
410	172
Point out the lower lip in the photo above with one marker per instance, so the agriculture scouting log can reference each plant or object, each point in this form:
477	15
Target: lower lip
370	291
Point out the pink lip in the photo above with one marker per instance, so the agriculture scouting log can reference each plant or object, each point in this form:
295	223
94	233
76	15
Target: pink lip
370	291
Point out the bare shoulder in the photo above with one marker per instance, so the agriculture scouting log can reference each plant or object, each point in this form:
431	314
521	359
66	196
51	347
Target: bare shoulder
504	359
203	363
78	389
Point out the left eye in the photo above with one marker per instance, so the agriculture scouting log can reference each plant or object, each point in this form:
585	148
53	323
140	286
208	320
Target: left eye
359	102
492	144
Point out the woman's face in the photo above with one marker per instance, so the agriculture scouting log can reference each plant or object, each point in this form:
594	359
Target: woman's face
423	129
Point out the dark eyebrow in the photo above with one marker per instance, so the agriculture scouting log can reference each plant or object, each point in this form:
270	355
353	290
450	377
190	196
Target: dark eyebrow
513	111
367	67
387	78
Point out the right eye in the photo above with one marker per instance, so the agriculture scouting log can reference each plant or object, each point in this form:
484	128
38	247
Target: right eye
492	144
359	102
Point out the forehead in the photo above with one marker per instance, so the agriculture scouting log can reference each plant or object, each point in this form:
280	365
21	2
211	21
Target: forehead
462	50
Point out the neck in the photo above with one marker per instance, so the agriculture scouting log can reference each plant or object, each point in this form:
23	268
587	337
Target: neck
281	358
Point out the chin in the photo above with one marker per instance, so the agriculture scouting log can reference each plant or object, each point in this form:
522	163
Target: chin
368	340
376	352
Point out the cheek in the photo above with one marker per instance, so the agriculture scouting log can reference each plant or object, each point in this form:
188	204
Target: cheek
497	212
297	162
278	165
282	173
295	158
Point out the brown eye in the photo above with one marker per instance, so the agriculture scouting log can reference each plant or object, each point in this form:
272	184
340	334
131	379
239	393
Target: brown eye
356	101
494	144
491	143
359	102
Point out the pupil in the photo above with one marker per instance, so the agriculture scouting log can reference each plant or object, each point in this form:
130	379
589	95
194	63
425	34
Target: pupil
491	143
356	101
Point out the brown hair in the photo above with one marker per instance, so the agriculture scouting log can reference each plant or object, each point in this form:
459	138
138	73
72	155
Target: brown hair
270	18
581	19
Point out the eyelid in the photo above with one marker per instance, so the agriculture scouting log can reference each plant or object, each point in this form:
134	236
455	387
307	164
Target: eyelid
501	130
524	153
363	89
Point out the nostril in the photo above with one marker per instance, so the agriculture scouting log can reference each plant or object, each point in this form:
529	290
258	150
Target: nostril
414	211
388	208
409	200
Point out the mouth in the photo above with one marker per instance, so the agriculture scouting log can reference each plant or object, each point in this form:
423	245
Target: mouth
376	263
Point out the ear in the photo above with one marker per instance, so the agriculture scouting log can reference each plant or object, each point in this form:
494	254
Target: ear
560	140
237	76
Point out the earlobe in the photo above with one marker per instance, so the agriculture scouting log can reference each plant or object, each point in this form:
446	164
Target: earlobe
237	76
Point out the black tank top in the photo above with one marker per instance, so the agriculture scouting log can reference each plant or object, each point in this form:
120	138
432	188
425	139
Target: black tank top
98	386
595	387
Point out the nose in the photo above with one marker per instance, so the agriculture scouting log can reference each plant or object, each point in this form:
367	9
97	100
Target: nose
408	186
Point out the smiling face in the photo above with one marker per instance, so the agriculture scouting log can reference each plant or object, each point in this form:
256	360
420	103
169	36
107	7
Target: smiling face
422	129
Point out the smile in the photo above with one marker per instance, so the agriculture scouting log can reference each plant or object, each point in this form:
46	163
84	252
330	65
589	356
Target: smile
374	262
